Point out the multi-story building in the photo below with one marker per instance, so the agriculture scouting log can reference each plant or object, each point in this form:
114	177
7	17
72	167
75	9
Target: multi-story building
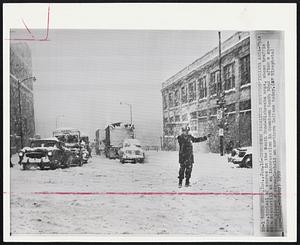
190	96
20	69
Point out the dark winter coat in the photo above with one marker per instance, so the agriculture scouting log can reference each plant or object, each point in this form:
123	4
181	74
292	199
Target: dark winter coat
186	147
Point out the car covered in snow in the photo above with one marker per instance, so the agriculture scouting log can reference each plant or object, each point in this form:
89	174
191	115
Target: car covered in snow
71	138
241	156
131	151
45	153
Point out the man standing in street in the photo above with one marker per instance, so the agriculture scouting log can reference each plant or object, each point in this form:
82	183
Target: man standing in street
186	157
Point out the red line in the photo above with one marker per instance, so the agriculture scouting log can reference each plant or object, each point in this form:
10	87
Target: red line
27	29
48	19
33	38
155	193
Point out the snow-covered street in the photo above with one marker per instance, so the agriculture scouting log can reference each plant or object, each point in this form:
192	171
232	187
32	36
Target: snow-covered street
77	201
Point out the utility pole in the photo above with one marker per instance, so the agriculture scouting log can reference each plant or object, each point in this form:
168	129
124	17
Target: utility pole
20	114
220	102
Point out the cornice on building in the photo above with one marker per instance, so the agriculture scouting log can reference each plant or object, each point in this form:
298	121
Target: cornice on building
189	70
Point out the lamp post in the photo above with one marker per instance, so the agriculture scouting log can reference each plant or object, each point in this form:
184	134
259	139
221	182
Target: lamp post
20	108
130	106
57	120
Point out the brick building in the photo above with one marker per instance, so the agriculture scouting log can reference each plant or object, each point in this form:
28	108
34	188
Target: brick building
190	96
20	69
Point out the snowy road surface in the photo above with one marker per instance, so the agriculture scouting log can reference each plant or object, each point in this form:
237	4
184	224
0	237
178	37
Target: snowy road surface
84	209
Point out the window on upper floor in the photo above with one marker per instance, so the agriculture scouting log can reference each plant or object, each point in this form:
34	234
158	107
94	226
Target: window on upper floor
176	97
229	78
192	91
202	113
215	84
184	117
193	115
245	105
183	95
165	104
202	87
171	100
245	70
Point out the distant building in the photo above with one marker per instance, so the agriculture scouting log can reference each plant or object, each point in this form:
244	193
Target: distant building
21	68
190	96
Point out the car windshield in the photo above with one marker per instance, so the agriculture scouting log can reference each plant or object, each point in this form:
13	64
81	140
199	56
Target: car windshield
43	143
71	138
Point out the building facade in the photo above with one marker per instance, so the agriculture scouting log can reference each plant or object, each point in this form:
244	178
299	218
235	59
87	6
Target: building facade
190	96
21	119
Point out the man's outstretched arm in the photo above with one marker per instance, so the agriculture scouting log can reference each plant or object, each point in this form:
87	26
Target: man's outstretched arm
199	139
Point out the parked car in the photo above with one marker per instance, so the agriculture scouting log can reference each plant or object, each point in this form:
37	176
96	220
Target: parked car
242	157
45	153
131	151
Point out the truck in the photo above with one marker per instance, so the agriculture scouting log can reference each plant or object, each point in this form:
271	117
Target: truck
71	139
115	134
99	141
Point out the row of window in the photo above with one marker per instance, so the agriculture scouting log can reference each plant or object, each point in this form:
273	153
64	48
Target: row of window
188	93
243	105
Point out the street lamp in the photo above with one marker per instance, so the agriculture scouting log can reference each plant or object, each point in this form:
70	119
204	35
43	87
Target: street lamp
130	106
57	118
20	108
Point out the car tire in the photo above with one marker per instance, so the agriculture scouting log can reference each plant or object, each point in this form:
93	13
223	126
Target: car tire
41	166
25	166
53	166
68	162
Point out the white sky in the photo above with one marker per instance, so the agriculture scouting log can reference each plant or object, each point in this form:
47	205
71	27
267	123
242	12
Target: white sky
85	74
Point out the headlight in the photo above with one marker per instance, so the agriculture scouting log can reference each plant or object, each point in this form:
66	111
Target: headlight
21	154
49	153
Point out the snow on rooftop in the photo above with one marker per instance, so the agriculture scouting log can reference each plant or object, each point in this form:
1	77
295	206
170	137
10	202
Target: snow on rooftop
119	124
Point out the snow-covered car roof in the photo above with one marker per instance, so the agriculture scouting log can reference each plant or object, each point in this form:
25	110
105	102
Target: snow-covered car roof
120	124
47	139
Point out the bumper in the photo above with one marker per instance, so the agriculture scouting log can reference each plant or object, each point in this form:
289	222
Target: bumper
28	160
132	158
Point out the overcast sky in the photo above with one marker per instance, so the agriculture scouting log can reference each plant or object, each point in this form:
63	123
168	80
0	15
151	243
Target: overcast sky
85	74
